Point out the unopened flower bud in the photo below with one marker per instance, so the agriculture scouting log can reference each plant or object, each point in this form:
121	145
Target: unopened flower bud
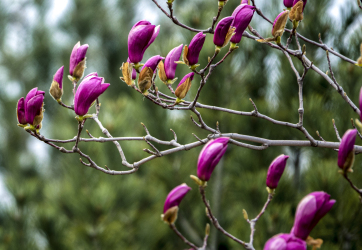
207	229
56	89
304	3
245	214
359	60
192	52
275	171
142	34
346	150
172	202
278	28
223	32
153	62
167	72
242	17
310	210
87	92
296	13
210	156
33	105
145	80
184	86
77	61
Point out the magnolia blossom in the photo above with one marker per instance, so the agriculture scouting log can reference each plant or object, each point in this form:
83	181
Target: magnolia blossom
88	91
275	171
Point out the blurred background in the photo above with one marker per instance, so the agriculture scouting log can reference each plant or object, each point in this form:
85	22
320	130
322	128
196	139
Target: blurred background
48	200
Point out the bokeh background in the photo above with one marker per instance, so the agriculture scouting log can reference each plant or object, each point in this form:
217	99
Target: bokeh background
48	200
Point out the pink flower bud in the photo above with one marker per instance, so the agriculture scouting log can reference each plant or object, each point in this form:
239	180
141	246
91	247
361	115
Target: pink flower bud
275	171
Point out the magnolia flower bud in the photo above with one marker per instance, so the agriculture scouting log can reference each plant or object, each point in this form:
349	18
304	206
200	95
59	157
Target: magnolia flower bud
184	86
275	171
172	202
192	52
20	111
56	89
153	62
296	13
285	242
359	60
88	91
288	3
242	17
33	106
310	210
167	73
304	3
142	34
77	61
210	156
145	79
346	150
223	32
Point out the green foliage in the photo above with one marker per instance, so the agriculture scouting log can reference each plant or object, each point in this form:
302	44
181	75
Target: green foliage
57	203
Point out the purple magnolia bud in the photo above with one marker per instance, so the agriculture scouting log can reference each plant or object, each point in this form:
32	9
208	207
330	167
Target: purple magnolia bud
285	242
88	91
275	171
346	149
210	156
56	89
175	196
20	111
142	34
221	30
296	1
172	202
195	47
170	65
153	62
242	17
34	107
288	3
77	60
134	72
310	210
184	86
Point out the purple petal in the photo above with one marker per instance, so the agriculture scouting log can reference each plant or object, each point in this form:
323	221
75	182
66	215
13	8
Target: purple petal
285	242
88	91
81	52
288	3
155	34
242	17
20	111
153	62
33	108
221	30
210	156
73	58
275	171
58	77
191	75
195	47
170	65
138	39
175	196
346	146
